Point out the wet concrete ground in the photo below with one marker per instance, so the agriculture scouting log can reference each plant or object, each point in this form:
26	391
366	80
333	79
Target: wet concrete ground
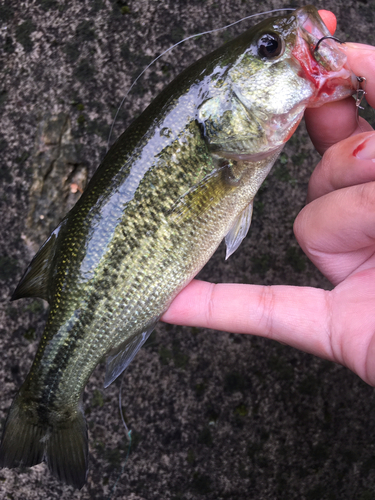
213	415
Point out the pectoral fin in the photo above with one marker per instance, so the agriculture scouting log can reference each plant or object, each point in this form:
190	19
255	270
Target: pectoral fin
121	358
238	230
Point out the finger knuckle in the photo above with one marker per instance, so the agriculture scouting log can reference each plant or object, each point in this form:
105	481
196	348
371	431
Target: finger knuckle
209	307
366	197
266	306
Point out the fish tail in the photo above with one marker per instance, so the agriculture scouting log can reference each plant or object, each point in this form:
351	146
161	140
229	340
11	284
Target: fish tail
66	450
63	445
22	441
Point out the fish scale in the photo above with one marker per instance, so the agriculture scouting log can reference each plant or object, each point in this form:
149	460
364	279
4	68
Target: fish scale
181	178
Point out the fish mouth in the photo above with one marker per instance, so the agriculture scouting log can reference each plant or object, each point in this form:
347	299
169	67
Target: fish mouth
322	59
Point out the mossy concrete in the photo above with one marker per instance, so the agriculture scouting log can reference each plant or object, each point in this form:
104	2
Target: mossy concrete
213	415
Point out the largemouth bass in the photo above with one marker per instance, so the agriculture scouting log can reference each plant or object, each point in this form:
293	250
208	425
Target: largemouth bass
181	178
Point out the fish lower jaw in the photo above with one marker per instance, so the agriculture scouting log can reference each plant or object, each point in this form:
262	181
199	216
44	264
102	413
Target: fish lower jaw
339	86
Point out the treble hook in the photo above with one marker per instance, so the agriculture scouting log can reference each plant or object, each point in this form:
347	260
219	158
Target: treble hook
361	92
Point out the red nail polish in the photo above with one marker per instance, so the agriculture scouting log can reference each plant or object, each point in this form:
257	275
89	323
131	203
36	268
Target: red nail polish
366	150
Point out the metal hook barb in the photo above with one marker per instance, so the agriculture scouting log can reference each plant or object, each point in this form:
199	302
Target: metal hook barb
326	38
361	92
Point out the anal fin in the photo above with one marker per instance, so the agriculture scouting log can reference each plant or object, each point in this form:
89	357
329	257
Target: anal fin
121	358
238	230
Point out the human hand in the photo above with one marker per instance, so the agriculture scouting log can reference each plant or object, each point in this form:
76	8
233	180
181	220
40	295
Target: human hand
336	230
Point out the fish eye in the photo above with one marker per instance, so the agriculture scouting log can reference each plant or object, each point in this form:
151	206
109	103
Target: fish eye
270	45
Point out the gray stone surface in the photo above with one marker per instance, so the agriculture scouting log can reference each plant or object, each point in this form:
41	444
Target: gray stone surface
213	415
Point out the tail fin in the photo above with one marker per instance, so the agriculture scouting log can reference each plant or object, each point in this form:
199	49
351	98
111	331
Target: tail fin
67	450
22	443
63	445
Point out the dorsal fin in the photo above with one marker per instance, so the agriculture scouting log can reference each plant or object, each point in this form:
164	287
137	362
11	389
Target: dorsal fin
34	283
120	358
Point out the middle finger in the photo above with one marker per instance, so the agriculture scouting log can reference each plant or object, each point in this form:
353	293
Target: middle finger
347	163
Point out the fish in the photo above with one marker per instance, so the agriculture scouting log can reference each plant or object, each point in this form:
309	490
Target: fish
177	182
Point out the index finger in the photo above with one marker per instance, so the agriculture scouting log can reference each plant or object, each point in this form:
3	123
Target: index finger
293	315
336	121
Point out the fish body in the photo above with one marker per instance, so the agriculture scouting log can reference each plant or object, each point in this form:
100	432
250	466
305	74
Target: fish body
181	178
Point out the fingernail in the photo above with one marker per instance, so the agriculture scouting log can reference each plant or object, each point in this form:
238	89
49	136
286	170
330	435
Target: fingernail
366	150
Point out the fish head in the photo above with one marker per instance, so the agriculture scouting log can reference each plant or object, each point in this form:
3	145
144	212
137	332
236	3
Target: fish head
277	69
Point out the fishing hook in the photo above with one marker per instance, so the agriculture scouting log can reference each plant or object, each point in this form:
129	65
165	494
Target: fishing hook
328	37
361	92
